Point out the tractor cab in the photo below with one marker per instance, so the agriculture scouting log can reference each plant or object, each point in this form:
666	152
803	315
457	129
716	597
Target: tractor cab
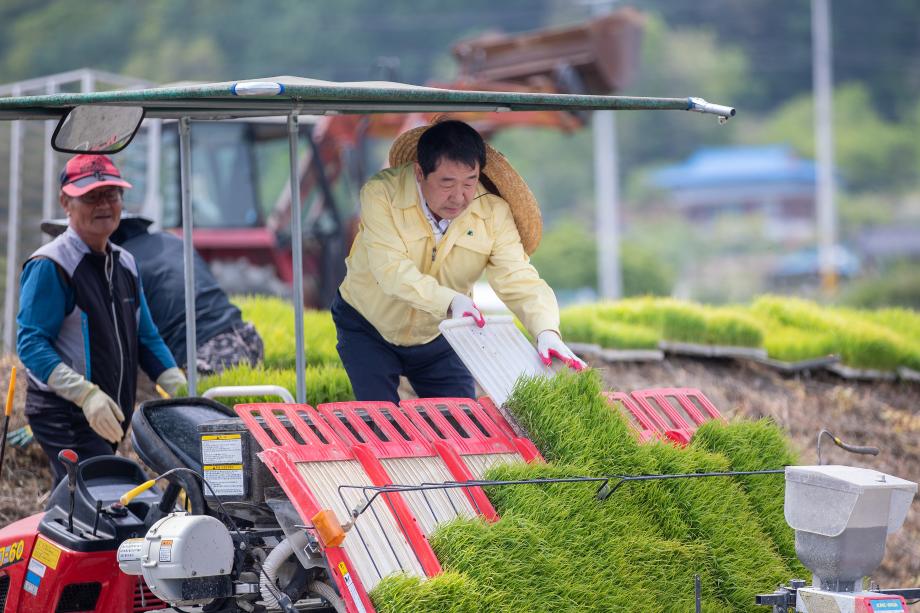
239	172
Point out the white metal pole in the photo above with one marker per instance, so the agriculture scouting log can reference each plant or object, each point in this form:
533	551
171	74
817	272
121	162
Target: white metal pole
153	207
87	81
188	253
606	186
606	191
12	231
49	192
824	141
297	257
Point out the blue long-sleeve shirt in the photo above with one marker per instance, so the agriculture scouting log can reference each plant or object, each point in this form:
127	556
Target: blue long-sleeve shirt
87	310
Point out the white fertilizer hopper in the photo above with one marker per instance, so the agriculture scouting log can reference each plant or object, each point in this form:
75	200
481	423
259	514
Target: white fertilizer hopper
841	516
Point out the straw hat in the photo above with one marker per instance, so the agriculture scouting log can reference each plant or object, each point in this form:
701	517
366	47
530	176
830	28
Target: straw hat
498	177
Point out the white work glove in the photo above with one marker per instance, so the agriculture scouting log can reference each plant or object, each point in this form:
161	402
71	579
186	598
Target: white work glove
463	306
550	345
171	380
102	413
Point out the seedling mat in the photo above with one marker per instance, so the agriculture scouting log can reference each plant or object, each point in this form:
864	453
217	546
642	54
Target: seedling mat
496	354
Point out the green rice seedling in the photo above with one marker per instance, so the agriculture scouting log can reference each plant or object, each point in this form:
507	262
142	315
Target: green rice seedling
577	324
794	312
324	383
566	501
582	324
570	422
720	515
904	323
674	320
732	326
682	321
758	445
642	311
867	345
320	338
274	319
790	344
616	335
449	592
562	550
558	548
859	342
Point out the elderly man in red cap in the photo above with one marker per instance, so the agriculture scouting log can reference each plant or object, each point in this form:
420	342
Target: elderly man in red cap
84	324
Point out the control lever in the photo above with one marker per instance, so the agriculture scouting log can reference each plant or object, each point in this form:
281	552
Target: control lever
70	459
96	518
845	446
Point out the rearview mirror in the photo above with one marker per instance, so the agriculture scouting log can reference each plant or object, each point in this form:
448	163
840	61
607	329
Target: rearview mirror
97	129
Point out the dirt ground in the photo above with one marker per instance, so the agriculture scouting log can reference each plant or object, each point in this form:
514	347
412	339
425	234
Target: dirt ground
886	415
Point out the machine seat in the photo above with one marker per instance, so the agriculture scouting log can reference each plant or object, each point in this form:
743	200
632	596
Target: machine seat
165	432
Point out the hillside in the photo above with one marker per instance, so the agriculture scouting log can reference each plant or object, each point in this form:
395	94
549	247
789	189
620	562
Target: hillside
881	414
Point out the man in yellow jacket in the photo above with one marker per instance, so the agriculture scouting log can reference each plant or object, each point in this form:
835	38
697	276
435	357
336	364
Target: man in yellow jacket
429	228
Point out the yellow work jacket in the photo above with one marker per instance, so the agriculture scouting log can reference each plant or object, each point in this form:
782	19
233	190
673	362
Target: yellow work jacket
403	283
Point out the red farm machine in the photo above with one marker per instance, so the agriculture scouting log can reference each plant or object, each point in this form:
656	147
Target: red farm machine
289	507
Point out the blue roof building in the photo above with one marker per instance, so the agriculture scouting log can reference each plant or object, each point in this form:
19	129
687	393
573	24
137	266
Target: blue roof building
770	181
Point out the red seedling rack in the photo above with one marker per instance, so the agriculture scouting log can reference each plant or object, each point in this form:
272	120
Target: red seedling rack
379	431
309	460
645	427
465	426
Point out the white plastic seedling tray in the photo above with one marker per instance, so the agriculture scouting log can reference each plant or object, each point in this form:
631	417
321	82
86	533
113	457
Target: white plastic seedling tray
496	354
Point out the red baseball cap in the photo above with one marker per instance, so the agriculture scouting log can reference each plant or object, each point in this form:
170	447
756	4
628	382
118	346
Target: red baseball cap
86	172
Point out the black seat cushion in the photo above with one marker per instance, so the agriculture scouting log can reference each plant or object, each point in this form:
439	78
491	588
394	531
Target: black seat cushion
165	432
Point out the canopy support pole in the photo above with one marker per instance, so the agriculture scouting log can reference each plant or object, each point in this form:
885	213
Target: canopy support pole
607	198
824	143
153	207
48	190
12	232
297	257
188	254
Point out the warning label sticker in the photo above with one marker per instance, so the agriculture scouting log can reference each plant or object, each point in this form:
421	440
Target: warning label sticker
221	449
46	553
166	550
346	576
131	549
225	479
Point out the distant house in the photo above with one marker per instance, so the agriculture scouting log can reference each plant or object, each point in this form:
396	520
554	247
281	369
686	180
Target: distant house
890	242
770	181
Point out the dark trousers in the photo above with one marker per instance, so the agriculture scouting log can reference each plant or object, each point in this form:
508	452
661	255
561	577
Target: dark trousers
374	365
67	429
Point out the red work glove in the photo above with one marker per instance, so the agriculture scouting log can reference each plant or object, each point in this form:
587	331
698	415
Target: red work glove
463	306
550	345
